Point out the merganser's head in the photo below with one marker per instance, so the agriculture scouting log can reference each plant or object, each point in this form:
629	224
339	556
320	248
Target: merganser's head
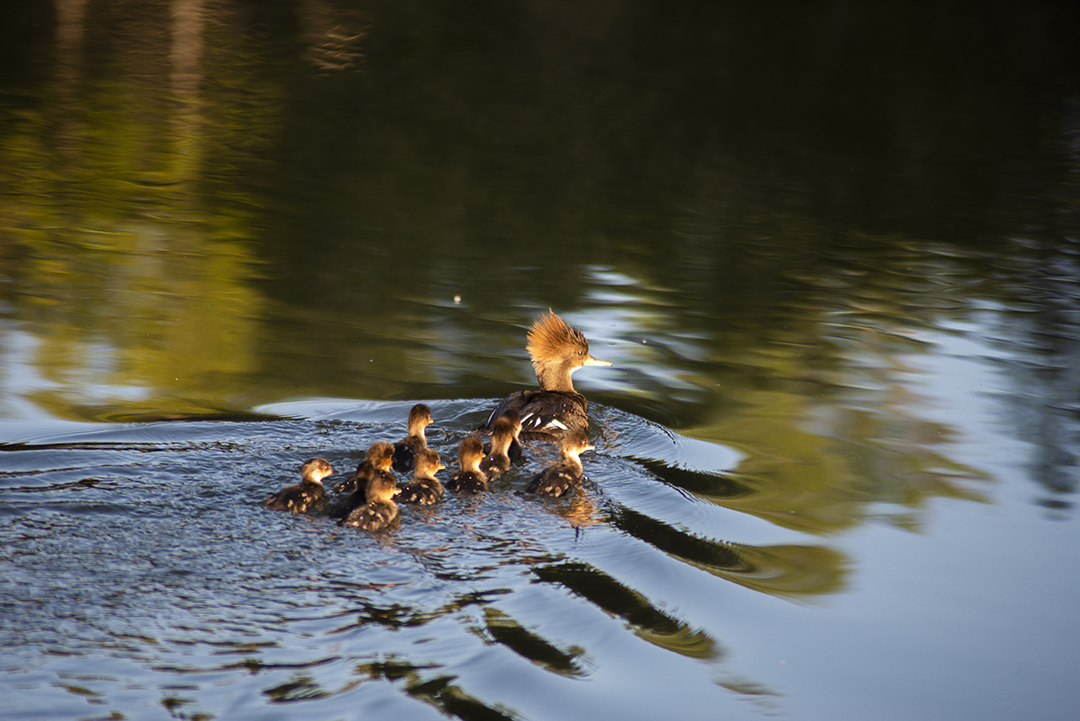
557	350
315	470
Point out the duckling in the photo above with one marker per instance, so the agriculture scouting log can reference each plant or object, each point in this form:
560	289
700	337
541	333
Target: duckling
308	492
468	478
406	449
380	510
517	455
373	461
376	464
557	350
497	461
424	489
555	480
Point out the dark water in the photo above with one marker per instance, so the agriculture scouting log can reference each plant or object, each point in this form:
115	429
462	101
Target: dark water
831	249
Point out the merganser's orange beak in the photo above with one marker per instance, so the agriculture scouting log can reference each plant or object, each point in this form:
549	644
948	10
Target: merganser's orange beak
590	361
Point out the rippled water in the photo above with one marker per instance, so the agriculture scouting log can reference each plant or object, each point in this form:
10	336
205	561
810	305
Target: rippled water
144	547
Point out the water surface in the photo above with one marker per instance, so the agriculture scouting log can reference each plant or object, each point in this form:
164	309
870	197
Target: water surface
831	251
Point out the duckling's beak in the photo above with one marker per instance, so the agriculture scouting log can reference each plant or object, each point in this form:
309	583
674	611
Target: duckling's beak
590	361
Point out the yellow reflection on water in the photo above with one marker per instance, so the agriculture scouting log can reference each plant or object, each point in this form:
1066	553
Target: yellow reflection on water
136	287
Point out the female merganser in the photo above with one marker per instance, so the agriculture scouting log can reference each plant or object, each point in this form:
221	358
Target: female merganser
305	494
555	480
424	489
376	464
406	449
497	461
557	350
469	478
380	509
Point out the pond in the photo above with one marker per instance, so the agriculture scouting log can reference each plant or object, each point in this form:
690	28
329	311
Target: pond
832	252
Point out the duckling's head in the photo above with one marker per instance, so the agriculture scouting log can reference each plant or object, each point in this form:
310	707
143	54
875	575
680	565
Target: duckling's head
315	470
575	443
470	453
428	463
557	350
419	419
506	427
515	421
380	455
381	488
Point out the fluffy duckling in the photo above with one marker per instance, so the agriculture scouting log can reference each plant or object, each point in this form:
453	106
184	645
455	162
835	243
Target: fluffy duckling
555	480
376	464
557	350
406	449
468	478
380	510
424	489
378	458
497	461
308	492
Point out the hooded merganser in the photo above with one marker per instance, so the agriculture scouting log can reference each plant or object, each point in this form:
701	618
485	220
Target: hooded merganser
555	480
380	509
469	478
557	350
424	489
376	464
305	494
497	461
406	449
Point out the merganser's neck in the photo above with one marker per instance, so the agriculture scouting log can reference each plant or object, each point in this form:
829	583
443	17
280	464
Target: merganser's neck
554	377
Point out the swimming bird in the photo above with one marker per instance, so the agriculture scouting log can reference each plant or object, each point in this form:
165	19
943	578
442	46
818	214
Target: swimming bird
305	494
406	449
556	479
376	464
424	489
380	510
497	461
557	350
468	478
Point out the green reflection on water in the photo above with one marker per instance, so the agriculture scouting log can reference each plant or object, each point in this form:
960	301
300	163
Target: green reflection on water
197	219
133	264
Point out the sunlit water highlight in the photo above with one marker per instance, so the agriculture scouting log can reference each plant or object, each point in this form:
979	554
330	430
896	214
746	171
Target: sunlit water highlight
142	548
832	253
146	545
